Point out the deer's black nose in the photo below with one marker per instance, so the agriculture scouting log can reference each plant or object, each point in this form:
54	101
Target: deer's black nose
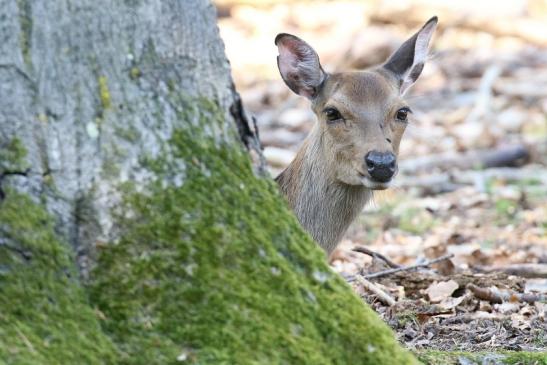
381	165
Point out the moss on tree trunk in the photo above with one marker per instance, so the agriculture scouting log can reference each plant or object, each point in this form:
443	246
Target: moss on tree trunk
479	358
45	314
132	227
216	270
219	270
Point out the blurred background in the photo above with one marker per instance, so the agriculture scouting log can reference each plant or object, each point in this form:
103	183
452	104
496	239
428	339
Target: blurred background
473	162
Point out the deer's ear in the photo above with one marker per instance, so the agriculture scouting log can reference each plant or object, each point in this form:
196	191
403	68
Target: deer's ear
299	65
408	61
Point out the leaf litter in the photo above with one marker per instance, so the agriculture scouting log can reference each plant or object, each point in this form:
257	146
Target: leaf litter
472	177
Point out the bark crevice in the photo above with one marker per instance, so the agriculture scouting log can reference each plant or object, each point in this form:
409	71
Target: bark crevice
248	131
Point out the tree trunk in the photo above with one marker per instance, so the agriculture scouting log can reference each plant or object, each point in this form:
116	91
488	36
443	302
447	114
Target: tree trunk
132	226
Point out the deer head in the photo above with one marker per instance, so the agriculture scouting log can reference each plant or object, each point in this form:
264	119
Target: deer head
361	114
353	147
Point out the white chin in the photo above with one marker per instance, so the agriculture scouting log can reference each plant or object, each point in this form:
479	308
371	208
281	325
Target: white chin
375	185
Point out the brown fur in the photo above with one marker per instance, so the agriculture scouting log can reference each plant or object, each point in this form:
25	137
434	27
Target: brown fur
328	183
324	183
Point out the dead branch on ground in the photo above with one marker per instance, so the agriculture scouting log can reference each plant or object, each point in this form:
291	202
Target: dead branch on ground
366	251
522	270
494	295
378	274
444	182
505	156
382	295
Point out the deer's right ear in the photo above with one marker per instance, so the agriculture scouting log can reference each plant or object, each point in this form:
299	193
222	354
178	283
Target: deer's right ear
299	65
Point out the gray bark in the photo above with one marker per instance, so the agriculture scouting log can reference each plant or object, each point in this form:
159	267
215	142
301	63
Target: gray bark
201	261
81	85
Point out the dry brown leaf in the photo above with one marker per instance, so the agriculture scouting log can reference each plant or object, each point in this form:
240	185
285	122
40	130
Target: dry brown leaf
451	302
439	291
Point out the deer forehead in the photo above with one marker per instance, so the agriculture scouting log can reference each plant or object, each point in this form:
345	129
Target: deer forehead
368	92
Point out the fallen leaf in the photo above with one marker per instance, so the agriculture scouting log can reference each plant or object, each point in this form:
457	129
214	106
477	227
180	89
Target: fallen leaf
442	290
451	302
507	307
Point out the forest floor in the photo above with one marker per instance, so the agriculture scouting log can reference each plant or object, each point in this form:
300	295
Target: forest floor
473	162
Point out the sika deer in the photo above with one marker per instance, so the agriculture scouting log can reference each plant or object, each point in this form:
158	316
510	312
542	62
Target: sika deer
352	149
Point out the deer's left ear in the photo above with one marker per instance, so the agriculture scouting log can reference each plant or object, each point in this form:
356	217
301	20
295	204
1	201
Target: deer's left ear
408	61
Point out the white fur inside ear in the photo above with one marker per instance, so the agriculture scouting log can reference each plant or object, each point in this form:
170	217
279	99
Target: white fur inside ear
299	66
420	56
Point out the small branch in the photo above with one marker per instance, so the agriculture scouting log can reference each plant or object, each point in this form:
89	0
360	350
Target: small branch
366	251
470	317
443	182
503	156
407	268
522	270
382	295
494	295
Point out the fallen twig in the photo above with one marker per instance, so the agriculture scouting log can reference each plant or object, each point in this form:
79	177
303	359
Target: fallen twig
522	270
382	295
494	295
474	316
406	268
511	155
366	251
443	182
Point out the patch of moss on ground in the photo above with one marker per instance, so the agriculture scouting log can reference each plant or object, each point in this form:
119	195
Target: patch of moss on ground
44	315
479	358
218	271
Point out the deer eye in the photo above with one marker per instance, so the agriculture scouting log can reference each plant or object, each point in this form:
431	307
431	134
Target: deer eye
332	114
402	114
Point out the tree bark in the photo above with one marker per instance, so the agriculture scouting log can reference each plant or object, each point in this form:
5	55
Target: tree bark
133	228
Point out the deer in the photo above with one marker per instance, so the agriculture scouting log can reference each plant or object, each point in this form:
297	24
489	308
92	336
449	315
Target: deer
352	149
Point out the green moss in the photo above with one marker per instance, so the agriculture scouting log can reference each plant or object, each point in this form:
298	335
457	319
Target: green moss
25	24
506	209
134	73
406	317
13	156
42	118
130	133
218	271
104	93
494	358
44	315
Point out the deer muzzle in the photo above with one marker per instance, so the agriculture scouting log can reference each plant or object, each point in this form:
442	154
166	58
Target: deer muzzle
381	166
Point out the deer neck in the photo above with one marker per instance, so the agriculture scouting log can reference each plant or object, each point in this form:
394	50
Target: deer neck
324	206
